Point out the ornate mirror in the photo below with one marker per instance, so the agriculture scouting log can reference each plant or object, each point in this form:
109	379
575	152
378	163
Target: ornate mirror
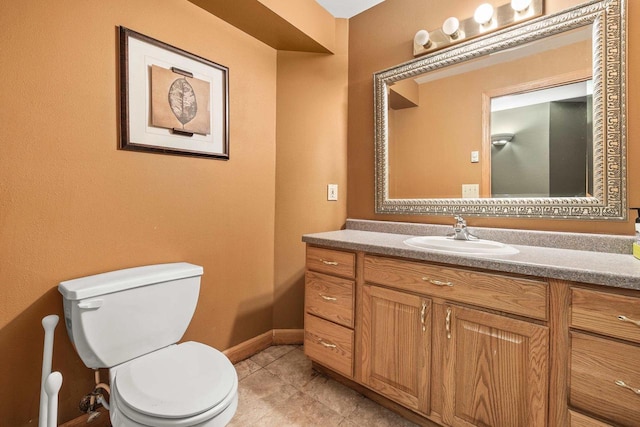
528	121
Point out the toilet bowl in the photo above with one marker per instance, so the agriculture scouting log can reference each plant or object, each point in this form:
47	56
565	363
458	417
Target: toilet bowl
188	384
130	322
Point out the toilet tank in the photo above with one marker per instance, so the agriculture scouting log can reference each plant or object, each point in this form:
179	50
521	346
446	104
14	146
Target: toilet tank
117	316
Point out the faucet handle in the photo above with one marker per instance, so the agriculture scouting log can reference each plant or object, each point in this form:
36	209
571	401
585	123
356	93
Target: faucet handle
460	222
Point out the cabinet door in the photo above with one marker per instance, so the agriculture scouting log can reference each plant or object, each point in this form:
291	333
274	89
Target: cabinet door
495	370
396	340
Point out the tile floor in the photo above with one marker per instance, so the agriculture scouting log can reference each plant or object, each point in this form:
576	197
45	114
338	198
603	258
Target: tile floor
279	388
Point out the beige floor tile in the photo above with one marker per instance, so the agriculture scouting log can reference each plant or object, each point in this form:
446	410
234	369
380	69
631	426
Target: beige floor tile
258	394
246	368
279	388
331	393
294	368
303	411
370	414
250	410
265	386
271	354
348	423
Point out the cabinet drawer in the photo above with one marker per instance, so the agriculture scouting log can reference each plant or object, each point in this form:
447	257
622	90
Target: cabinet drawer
329	297
333	262
600	368
579	420
609	314
526	297
329	344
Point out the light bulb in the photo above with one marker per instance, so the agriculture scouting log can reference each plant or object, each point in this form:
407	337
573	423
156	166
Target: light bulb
450	27
422	38
520	5
483	14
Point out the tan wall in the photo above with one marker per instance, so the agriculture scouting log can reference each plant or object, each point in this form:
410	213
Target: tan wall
73	205
307	15
311	153
382	37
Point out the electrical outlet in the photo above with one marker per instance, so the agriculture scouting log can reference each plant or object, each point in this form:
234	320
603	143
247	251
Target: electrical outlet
332	192
470	191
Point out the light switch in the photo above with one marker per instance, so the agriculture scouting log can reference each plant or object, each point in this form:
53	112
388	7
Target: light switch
332	192
475	156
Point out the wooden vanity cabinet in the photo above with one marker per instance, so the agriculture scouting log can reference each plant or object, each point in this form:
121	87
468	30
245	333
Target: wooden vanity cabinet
460	347
329	308
605	357
492	369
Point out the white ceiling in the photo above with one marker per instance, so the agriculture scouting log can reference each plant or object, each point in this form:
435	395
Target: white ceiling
347	8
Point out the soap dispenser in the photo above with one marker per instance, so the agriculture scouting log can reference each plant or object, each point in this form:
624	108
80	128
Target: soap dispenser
636	244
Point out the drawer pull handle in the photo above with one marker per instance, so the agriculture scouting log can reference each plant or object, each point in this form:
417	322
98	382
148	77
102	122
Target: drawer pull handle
448	323
326	298
622	384
626	319
437	282
325	262
327	344
423	312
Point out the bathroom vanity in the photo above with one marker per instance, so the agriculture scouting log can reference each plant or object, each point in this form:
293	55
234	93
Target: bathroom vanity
547	336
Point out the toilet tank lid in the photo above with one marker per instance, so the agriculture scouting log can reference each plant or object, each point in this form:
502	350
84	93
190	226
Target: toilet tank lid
120	280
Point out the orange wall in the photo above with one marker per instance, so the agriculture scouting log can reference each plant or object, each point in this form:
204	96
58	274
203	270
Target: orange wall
381	37
311	153
73	205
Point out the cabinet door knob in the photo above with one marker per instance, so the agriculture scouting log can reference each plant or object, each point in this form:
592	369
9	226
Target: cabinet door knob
622	384
626	319
448	323
326	298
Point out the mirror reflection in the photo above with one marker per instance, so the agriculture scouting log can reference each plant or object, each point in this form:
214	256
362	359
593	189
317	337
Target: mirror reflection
542	142
434	128
443	125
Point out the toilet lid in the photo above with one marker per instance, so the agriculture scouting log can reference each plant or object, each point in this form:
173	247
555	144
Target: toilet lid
176	382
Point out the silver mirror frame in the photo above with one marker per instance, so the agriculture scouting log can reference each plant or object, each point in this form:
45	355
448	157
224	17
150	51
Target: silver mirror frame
609	201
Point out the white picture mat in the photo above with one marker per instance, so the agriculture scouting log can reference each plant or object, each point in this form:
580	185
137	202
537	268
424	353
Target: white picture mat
141	55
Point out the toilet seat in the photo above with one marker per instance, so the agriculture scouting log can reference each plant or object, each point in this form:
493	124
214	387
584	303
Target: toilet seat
178	385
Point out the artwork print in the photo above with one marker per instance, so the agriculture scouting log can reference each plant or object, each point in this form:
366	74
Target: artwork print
179	102
171	101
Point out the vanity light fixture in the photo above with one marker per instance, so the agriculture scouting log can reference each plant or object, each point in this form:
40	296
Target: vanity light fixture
422	39
487	18
451	27
520	6
501	139
483	14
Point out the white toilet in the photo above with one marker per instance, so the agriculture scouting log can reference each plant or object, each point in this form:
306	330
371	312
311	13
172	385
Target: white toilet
130	321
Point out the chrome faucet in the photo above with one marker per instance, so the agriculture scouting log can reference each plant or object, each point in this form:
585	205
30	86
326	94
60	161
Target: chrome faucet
460	231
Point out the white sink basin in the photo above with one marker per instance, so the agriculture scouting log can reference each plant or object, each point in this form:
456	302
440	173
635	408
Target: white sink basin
463	247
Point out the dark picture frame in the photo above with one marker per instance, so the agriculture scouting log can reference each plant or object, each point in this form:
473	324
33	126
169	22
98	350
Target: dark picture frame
179	104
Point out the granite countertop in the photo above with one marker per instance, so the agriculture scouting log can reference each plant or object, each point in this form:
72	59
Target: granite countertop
614	268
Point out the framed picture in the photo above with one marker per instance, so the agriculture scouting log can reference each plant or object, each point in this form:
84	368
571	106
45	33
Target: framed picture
171	101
